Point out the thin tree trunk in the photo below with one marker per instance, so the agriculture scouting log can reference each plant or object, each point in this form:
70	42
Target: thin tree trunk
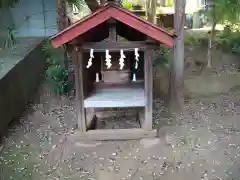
62	15
151	11
93	5
210	46
176	87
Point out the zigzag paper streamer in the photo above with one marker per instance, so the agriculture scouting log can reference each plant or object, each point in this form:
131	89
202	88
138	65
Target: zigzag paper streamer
90	59
108	59
121	60
136	57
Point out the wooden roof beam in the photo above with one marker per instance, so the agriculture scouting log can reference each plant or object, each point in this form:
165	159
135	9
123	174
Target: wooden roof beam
114	46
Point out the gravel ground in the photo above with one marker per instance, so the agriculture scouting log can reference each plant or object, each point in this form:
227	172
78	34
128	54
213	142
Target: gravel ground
203	143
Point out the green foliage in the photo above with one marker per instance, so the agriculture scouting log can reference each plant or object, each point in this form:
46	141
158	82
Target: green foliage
226	40
127	5
78	3
57	74
230	42
224	10
162	57
195	38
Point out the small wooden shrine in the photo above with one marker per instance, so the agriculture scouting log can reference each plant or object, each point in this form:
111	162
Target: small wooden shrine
112	54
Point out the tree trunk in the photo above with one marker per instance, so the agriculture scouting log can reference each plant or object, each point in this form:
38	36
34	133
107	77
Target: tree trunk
62	15
176	87
93	5
151	11
210	46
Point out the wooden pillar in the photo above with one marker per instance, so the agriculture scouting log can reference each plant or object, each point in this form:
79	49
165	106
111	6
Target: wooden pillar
148	86
78	67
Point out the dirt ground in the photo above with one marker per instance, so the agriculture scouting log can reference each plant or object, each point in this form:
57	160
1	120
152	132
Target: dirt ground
203	143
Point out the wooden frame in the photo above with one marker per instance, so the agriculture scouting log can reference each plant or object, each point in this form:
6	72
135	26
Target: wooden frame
115	134
114	46
148	83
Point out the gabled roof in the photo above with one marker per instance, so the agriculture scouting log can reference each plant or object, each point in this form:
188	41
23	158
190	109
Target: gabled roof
118	13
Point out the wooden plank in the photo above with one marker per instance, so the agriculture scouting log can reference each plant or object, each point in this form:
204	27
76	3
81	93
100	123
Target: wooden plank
148	83
78	66
116	134
141	118
104	85
90	113
114	46
116	97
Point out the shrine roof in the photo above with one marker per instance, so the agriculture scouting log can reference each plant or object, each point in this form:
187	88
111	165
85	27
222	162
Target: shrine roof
105	13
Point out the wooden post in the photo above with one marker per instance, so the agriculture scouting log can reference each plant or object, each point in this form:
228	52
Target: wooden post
176	89
112	30
148	86
78	67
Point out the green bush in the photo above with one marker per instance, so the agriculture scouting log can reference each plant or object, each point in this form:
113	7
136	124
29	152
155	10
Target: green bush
226	40
56	72
162	57
230	42
127	5
195	38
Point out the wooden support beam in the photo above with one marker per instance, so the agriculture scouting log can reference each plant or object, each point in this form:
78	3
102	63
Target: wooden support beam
148	83
114	46
116	134
112	30
78	66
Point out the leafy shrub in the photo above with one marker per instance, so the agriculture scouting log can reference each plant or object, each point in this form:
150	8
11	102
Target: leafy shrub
162	57
56	72
127	5
230	42
195	38
226	40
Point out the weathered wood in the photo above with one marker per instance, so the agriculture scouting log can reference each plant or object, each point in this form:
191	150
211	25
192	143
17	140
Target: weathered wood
104	85
78	67
114	46
116	134
148	83
116	97
92	21
116	77
141	118
90	113
112	30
